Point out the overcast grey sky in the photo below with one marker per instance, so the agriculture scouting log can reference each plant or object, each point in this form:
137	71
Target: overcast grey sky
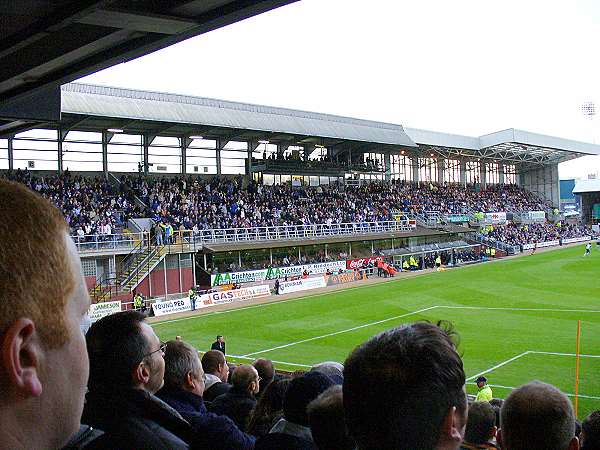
465	66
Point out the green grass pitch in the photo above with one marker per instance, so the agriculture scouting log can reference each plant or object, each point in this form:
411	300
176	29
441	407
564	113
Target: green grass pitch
517	320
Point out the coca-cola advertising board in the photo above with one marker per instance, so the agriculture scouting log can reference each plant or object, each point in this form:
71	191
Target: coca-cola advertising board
362	262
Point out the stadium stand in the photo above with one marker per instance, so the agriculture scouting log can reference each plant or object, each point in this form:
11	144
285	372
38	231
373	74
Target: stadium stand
196	204
519	234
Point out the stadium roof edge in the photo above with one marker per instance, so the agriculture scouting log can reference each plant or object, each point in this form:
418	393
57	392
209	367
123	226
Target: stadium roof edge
87	99
583	186
540	140
96	106
427	137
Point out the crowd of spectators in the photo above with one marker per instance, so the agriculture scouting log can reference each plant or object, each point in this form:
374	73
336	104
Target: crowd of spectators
520	234
90	205
297	161
224	203
94	206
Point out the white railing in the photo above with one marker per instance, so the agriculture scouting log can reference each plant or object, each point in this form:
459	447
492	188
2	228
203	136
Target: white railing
190	239
107	242
293	232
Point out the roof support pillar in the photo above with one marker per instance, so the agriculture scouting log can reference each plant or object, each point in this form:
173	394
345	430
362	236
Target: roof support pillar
11	157
61	137
441	170
415	168
145	160
220	144
183	148
482	175
251	146
463	171
387	162
501	173
105	138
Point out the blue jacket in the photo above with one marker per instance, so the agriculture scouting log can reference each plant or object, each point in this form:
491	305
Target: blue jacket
212	431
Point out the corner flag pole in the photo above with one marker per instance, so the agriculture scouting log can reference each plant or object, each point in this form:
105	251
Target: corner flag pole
577	369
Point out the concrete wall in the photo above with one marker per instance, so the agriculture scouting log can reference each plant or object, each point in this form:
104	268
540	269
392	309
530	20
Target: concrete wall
543	181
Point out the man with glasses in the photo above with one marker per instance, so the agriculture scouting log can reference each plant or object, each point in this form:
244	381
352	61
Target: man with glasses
238	403
183	390
127	368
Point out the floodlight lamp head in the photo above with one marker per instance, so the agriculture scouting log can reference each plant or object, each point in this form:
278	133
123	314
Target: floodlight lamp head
588	109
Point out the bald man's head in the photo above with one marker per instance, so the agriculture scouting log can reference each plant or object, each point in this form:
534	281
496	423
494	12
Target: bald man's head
537	416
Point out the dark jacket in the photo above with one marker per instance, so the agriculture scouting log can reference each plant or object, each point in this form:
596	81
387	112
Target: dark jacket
235	404
218	346
212	432
135	419
215	390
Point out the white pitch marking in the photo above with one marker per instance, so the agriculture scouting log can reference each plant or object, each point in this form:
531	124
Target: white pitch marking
503	363
566	393
277	362
564	354
341	331
493	308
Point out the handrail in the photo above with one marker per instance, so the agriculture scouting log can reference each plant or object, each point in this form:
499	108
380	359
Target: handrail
298	232
190	240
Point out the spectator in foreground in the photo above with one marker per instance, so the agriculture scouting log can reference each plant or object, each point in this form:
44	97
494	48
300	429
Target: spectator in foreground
481	429
183	389
216	372
292	432
590	431
238	403
537	416
332	369
43	311
326	418
126	369
394	398
266	372
269	408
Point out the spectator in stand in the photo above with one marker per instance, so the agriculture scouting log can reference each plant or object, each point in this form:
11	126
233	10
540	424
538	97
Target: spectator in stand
396	398
240	400
269	408
481	429
266	372
521	234
195	204
216	372
292	432
126	369
590	431
537	416
43	315
84	202
326	418
183	389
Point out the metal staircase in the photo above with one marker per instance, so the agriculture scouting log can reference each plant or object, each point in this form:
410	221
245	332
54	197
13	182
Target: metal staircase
136	266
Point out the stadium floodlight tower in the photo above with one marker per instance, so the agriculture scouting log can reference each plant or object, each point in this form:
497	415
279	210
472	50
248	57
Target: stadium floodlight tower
589	110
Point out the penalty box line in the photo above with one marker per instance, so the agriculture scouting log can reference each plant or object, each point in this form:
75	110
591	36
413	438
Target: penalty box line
412	313
512	388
